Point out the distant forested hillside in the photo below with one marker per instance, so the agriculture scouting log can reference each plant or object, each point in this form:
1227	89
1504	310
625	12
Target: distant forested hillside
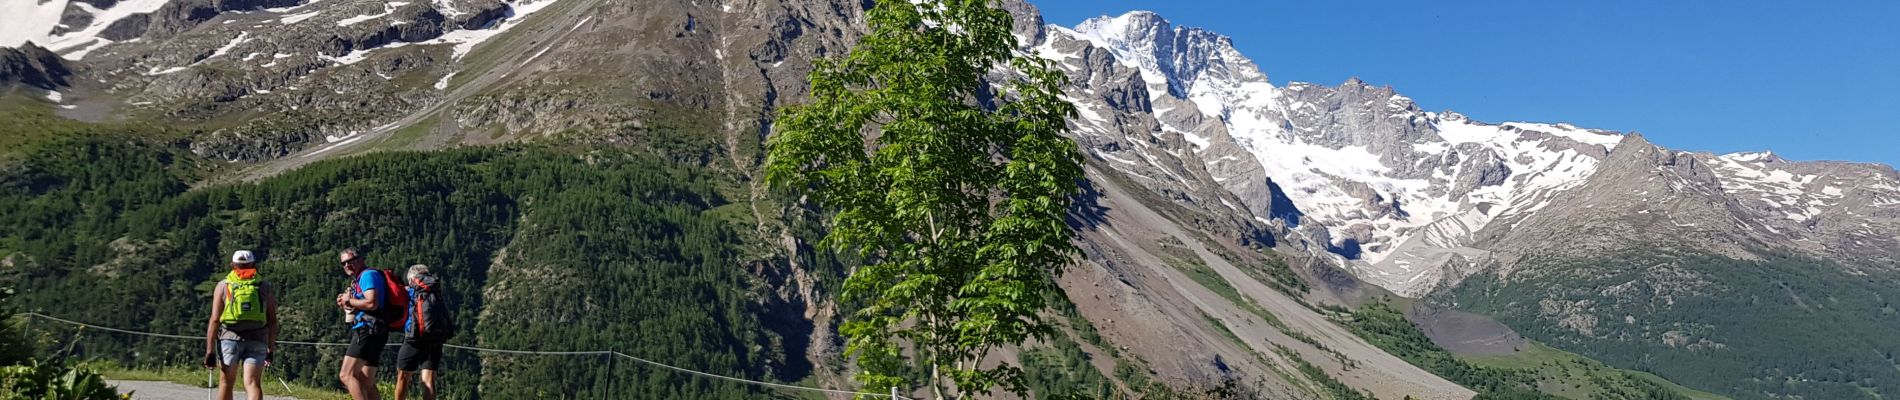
1780	327
542	248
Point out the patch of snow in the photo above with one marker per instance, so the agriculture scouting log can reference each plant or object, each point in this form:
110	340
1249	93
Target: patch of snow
442	84
447	7
1199	142
23	21
281	10
359	55
101	19
1112	157
295	18
1607	140
1085	110
335	138
157	71
54	96
240	39
544	50
352	138
387	9
1751	157
357	19
87	49
465	40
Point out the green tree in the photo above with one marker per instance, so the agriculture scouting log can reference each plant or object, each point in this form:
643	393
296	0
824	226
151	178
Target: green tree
941	154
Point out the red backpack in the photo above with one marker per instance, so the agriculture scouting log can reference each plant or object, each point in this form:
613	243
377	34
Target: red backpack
394	312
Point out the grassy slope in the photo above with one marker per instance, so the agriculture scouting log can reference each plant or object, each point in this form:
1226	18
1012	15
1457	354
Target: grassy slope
1523	375
1569	375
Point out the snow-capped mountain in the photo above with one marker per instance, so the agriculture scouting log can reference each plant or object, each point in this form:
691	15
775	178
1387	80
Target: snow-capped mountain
1404	198
1399	195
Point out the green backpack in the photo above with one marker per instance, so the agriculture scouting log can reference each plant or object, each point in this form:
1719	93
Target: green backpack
244	300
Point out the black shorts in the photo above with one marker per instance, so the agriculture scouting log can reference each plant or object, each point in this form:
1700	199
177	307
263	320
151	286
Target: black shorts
421	353
367	346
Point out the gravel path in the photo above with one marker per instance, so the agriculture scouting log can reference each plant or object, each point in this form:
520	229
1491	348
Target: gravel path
149	390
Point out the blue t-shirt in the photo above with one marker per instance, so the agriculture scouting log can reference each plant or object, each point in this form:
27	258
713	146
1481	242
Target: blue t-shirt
366	281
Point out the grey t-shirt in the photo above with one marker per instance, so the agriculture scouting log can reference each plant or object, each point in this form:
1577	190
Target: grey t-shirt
248	330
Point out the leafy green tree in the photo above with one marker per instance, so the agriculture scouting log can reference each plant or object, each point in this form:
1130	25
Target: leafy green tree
942	155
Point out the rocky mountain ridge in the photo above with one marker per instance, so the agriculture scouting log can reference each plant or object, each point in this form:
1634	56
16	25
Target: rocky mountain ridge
1413	200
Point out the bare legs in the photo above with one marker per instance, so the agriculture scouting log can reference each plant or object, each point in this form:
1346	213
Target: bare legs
359	379
402	384
428	384
227	376
253	381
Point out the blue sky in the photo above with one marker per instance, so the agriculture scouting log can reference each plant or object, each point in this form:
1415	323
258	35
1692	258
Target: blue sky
1810	80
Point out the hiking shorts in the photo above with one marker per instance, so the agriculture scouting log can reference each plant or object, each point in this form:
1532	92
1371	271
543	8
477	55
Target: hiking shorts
247	351
419	354
367	346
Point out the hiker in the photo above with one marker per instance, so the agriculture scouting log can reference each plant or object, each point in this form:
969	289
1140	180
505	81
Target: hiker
243	328
375	309
429	326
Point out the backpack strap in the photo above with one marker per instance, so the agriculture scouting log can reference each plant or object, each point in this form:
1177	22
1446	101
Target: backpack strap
419	319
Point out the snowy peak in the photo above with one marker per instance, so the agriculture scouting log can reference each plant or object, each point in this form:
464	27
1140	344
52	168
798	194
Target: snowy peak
1358	169
1754	157
1183	58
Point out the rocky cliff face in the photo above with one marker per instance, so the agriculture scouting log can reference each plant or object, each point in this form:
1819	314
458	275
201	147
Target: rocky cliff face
33	66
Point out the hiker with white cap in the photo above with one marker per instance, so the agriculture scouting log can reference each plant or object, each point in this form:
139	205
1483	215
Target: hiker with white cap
242	333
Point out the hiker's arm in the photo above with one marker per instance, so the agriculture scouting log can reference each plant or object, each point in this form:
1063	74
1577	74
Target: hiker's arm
367	303
211	324
270	316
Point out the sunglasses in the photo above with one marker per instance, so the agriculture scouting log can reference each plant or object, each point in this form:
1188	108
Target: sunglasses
347	261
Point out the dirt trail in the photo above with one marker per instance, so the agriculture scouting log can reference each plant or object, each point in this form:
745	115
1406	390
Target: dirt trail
1386	376
149	390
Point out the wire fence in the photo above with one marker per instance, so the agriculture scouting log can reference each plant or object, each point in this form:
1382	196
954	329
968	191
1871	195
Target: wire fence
607	353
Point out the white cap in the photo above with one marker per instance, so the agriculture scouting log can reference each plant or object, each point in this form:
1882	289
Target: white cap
243	257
